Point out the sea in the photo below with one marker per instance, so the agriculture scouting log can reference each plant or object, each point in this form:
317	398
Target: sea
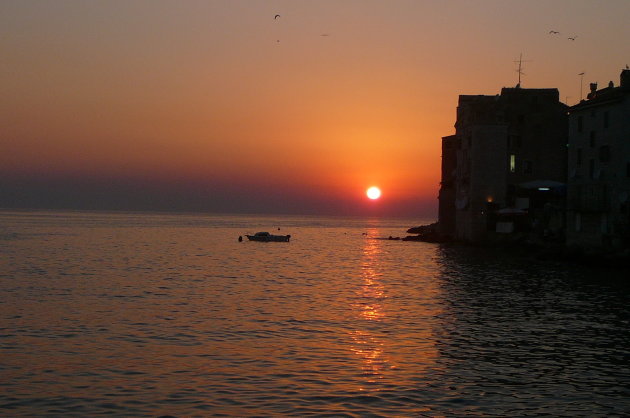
136	314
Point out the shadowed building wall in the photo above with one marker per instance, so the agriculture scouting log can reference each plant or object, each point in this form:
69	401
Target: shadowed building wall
446	212
598	212
502	142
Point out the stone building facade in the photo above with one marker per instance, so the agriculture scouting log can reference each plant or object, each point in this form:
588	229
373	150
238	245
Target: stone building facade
502	144
598	203
446	208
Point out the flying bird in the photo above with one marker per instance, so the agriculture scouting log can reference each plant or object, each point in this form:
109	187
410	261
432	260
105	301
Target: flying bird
572	38
276	17
554	32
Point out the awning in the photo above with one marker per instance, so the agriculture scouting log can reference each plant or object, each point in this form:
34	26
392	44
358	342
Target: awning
511	211
536	184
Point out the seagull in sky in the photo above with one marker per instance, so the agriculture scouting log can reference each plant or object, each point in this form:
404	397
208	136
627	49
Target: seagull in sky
554	32
572	38
276	17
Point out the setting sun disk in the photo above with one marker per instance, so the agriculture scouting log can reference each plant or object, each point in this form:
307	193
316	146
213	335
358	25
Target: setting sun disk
373	192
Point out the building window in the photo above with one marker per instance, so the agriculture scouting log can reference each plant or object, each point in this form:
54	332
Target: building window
578	157
592	139
591	168
512	163
580	122
527	167
606	119
604	153
514	141
578	222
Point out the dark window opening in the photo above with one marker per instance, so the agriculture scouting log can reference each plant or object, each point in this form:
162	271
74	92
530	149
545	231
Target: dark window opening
592	139
591	169
578	157
580	121
606	119
527	167
604	153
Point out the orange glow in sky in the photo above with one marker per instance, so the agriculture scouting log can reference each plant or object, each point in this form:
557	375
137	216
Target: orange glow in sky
209	101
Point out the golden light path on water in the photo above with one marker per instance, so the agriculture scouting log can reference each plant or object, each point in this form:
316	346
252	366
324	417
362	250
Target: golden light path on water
382	358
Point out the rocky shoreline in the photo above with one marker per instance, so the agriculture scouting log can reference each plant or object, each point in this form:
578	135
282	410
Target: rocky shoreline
425	233
528	245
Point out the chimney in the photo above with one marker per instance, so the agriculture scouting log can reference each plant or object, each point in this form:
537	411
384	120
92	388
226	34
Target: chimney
625	78
593	92
611	84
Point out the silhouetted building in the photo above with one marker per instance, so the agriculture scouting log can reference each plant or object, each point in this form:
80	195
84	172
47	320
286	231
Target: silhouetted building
598	212
504	170
446	210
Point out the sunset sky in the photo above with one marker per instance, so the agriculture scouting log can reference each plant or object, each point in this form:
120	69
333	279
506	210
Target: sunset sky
217	106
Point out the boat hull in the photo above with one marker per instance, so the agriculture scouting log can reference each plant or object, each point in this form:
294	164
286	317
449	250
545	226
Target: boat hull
269	238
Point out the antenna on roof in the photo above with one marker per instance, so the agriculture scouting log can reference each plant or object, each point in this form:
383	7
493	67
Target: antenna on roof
520	69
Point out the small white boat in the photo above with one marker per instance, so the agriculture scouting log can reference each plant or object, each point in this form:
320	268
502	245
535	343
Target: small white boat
267	237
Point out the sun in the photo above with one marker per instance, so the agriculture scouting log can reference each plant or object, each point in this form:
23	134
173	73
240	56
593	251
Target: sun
373	192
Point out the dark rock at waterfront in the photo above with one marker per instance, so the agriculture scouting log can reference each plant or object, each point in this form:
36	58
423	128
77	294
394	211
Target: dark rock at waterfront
425	233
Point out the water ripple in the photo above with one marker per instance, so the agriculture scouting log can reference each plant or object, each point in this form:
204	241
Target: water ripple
167	316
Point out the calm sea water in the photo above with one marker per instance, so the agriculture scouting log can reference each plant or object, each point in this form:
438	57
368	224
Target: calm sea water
148	315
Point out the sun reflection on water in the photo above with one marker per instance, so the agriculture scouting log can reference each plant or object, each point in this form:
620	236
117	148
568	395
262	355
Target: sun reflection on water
372	292
371	352
367	344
